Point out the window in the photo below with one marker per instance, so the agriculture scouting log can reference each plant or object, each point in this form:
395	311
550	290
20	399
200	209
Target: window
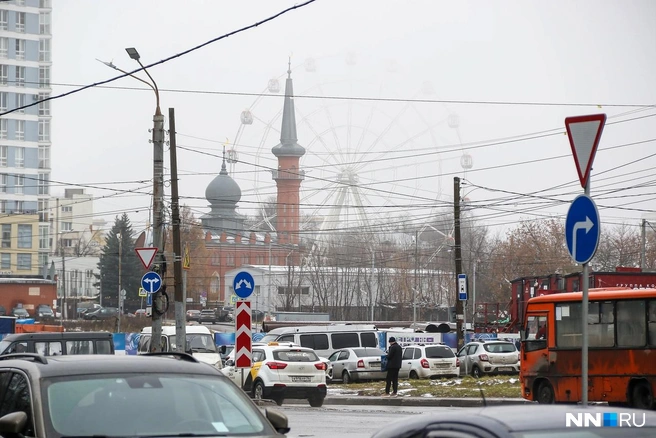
53	348
103	347
651	318
631	330
67	226
44	50
20	2
4	73
3	156
3	128
44	156
20	76
24	262
3	206
4	44
20	49
5	261
4	19
44	107
17	398
45	4
601	324
43	210
44	77
216	259
230	260
44	130
20	22
79	347
19	181
67	209
345	340
20	102
317	341
19	207
19	157
3	183
24	235
44	184
43	237
20	130
6	235
408	353
244	259
3	101
368	340
259	259
44	23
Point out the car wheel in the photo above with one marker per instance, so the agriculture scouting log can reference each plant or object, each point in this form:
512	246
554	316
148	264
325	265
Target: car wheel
93	318
476	372
316	401
346	379
278	399
414	375
641	396
545	395
258	390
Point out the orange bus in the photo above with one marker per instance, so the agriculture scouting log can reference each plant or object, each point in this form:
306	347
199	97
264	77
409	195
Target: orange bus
621	354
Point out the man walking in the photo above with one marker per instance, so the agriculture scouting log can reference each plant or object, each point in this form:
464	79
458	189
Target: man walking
394	359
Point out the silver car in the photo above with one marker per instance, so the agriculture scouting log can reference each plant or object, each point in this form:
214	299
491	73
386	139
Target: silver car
493	357
357	364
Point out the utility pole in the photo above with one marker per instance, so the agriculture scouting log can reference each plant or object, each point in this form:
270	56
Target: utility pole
643	246
180	328
120	282
64	311
414	290
458	256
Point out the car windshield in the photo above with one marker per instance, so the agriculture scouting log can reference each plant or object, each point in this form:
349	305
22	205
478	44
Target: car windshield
20	312
182	404
4	345
295	356
500	347
198	342
367	352
439	352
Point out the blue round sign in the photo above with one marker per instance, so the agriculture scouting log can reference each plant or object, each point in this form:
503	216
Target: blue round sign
582	229
151	282
243	284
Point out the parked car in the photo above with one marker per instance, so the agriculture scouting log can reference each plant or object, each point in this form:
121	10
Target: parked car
493	357
429	362
521	421
208	315
193	315
140	313
120	395
102	313
58	343
357	364
44	311
83	308
20	313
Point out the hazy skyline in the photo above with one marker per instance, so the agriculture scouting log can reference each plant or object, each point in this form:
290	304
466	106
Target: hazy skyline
400	91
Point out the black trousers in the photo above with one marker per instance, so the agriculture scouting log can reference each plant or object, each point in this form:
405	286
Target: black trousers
392	380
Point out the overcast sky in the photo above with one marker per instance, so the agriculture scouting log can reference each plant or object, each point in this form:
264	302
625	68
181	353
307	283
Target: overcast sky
415	82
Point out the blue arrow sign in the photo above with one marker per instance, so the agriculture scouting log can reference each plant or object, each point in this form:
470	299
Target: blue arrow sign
243	284
151	282
462	287
582	229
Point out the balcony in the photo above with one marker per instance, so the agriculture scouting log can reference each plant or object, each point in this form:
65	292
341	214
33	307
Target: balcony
288	174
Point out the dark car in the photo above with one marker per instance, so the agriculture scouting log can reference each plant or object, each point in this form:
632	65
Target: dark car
44	311
525	421
53	344
110	395
208	315
102	313
193	315
20	313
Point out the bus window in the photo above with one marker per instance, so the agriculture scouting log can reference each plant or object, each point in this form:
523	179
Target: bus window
631	330
568	325
652	323
601	324
536	333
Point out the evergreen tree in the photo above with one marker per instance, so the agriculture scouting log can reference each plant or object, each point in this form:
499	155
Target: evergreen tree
131	268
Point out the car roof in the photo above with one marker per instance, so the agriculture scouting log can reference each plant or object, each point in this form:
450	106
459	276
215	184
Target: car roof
57	335
502	420
54	366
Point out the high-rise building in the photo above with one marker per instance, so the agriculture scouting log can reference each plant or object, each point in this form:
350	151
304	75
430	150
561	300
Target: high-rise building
25	71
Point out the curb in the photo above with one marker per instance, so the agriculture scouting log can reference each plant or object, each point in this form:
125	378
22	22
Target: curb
424	401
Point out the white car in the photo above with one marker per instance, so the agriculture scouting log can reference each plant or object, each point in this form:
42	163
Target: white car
280	372
429	362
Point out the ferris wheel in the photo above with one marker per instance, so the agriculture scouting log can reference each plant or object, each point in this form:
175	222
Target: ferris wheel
375	149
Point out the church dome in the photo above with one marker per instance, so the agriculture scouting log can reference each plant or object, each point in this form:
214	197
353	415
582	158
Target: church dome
223	190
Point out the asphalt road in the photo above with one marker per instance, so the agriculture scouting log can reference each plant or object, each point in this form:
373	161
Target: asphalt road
346	421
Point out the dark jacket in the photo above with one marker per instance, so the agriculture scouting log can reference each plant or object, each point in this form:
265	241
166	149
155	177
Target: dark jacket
394	356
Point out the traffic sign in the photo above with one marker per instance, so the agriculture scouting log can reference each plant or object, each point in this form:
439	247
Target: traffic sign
186	259
243	284
151	282
584	133
142	292
582	229
146	255
243	355
462	287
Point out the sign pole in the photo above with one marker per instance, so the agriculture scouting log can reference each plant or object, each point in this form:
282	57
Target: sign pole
584	323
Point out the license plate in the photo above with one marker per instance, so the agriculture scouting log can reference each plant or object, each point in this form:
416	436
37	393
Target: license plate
505	369
374	364
301	379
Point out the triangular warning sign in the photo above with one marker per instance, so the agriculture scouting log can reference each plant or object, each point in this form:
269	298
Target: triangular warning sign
584	133
146	255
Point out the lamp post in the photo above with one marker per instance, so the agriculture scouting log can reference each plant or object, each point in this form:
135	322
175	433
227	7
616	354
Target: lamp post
158	202
120	280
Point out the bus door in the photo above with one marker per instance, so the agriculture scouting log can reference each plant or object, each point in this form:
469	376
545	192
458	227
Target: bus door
535	356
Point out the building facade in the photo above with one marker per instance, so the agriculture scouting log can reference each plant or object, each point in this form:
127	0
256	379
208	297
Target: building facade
25	71
74	230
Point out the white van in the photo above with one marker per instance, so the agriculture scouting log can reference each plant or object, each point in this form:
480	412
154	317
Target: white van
199	340
326	339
